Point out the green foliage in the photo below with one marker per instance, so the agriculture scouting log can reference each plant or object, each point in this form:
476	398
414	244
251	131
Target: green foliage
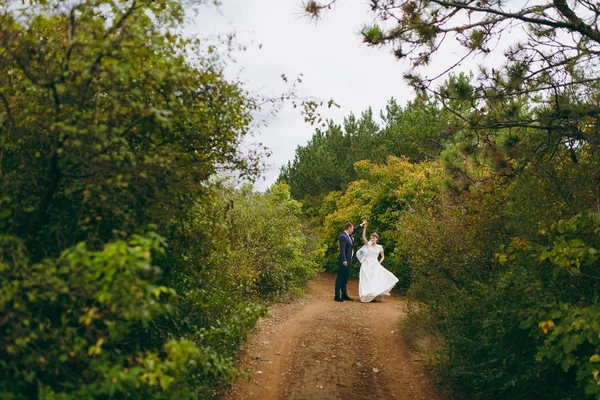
68	321
419	130
112	107
528	330
564	318
372	35
486	353
119	265
455	255
571	342
320	166
326	163
266	242
382	195
95	323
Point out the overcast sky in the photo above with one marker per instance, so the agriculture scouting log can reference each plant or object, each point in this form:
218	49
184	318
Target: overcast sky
333	61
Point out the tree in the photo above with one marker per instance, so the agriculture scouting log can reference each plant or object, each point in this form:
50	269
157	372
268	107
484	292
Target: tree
550	67
320	166
112	127
109	119
326	164
417	29
419	130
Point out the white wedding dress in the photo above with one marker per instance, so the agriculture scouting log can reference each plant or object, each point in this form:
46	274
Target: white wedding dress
374	280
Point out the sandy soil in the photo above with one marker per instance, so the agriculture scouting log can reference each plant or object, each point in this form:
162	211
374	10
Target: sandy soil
316	348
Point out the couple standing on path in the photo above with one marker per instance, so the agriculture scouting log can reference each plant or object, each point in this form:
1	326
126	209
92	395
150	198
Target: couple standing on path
374	279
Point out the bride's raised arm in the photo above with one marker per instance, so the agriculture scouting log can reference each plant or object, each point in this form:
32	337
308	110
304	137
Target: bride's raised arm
364	234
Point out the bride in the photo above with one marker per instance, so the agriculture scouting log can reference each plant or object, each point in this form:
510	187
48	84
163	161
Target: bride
374	279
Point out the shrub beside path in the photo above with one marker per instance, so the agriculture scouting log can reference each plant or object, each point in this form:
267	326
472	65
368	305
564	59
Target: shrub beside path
316	348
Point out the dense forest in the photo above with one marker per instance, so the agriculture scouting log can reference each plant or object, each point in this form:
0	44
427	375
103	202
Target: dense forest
130	268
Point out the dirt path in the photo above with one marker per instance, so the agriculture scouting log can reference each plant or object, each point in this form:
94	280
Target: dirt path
320	349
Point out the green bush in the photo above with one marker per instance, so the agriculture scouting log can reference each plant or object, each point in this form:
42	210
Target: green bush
533	332
266	243
68	323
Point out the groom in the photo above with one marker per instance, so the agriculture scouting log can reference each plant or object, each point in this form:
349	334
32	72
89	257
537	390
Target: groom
344	260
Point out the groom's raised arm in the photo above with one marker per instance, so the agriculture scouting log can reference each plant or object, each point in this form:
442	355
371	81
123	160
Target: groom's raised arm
357	227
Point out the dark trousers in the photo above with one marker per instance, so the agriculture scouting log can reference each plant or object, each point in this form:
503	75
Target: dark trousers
342	280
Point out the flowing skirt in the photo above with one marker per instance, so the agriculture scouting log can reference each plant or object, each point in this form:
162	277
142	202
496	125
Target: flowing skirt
374	280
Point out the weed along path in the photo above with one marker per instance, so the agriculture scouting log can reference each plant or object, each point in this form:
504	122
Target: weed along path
316	348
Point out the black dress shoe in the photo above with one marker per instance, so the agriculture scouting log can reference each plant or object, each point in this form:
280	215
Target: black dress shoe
338	299
347	298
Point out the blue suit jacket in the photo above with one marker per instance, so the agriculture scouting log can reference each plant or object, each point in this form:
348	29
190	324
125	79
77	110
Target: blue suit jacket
346	245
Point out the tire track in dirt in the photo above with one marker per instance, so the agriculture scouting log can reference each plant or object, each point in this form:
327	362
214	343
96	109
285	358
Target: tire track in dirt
320	349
